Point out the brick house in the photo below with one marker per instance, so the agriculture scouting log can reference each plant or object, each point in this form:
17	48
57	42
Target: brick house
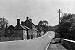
32	32
20	30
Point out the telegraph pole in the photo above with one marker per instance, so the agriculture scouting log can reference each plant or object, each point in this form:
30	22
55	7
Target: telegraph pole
59	15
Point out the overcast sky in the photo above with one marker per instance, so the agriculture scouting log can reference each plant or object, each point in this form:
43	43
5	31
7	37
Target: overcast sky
37	9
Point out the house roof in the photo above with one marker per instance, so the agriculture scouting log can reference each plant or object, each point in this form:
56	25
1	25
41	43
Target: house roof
21	27
11	27
29	21
26	27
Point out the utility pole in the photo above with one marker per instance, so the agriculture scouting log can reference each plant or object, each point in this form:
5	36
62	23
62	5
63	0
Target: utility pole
59	11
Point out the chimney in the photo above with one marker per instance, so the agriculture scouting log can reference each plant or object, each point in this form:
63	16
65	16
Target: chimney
22	23
27	18
18	21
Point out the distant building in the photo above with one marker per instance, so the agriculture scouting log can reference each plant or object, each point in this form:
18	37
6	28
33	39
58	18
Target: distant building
32	32
20	30
26	30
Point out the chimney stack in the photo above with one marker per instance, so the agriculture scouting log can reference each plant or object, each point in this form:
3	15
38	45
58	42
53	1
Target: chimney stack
18	21
22	23
27	18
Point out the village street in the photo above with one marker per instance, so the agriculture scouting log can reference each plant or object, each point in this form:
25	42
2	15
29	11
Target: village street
31	44
41	43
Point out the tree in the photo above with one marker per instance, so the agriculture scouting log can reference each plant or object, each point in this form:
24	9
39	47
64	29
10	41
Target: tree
40	23
45	23
65	25
66	18
43	26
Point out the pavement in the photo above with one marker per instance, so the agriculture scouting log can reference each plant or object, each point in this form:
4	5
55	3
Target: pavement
56	47
65	44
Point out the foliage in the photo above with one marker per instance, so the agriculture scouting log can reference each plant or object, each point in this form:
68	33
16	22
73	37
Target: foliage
65	25
43	26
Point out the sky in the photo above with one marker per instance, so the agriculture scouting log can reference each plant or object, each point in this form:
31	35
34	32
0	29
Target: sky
35	9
